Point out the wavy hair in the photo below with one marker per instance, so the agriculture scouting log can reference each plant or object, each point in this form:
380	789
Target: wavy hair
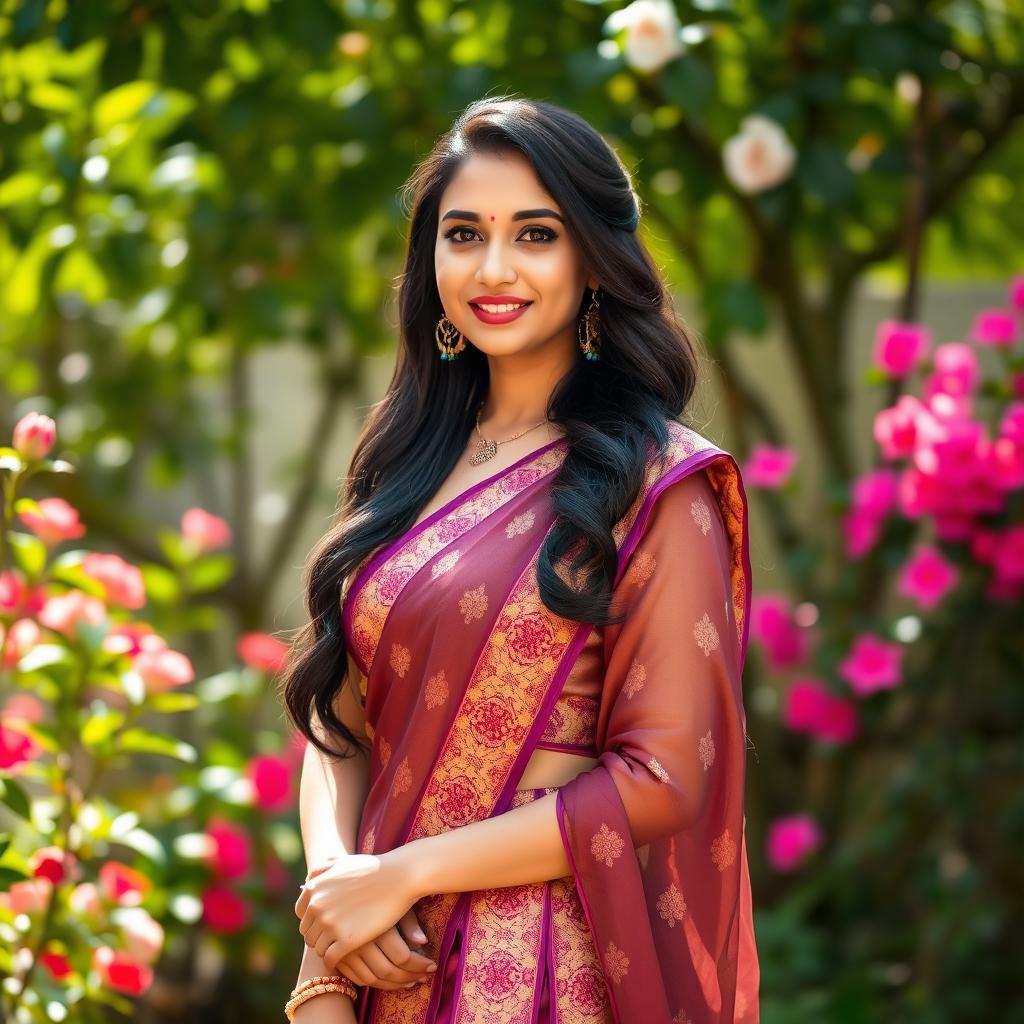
611	410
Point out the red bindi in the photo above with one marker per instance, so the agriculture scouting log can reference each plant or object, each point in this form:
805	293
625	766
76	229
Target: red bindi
492	216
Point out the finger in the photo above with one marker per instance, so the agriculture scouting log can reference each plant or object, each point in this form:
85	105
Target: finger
383	967
398	952
303	901
323	941
411	929
363	973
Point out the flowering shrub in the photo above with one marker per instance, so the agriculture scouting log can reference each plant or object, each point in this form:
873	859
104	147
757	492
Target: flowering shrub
96	871
941	515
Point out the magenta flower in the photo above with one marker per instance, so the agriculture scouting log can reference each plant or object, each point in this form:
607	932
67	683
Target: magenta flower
896	428
262	652
64	613
15	747
994	327
811	708
768	466
791	840
231	848
1012	423
34	435
162	669
927	576
224	910
121	580
899	347
1017	293
1008	556
773	627
873	495
205	531
872	664
955	371
55	521
271	778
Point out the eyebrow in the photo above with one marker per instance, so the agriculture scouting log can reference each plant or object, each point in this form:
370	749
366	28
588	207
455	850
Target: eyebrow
521	215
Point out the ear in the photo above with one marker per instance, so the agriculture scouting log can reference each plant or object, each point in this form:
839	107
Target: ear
592	284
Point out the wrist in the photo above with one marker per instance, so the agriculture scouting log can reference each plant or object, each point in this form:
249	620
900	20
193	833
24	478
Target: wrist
412	869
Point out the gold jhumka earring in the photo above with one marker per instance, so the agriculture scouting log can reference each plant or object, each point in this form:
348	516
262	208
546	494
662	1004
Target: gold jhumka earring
587	329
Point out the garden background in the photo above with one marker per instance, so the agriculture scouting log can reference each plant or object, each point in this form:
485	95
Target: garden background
200	228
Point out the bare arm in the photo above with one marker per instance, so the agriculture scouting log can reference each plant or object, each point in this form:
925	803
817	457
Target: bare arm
520	846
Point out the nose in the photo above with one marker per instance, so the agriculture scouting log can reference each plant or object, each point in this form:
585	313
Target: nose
495	269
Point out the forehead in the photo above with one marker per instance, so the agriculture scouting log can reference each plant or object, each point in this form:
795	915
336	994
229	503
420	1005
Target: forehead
495	183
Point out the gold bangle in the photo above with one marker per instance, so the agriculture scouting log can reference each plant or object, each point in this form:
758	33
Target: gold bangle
314	990
323	979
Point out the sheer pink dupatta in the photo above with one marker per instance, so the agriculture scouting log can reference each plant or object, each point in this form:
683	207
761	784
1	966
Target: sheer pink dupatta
655	832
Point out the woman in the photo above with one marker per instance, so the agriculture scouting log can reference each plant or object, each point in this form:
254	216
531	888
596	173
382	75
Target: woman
534	608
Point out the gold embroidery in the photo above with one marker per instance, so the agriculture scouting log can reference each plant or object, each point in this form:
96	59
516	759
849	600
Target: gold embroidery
681	1018
740	1005
723	851
384	749
522	522
400	659
643	854
706	750
701	515
369	841
442	565
473	604
579	993
572	721
655	766
437	690
606	845
635	678
706	635
641	568
671	905
403	778
368	729
616	962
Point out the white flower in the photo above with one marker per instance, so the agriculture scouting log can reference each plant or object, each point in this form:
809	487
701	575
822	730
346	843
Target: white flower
759	156
653	33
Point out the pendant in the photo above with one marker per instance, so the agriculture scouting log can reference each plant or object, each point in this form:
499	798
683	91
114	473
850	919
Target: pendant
486	449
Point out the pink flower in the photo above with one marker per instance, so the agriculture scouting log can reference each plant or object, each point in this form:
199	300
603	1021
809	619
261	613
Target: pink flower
769	466
163	669
64	613
955	371
121	579
271	778
994	327
231	852
773	627
899	347
927	576
30	896
1008	556
1006	461
811	708
873	495
22	707
55	521
85	900
205	531
872	664
21	638
224	910
54	864
275	874
133	638
143	935
123	885
16	597
56	963
34	435
262	652
791	840
1012	423
895	428
15	747
118	970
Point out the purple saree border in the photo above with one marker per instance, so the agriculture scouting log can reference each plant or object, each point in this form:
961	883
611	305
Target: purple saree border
359	580
542	960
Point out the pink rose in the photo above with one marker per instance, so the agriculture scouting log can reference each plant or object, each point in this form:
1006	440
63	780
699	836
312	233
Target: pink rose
271	778
121	579
955	371
15	747
205	531
85	900
262	652
119	970
811	708
231	852
54	864
34	435
22	706
927	576
791	840
224	910
30	896
899	347
896	428
55	521
772	626
872	664
994	327
17	597
133	638
163	669
64	613
769	466
143	935
123	885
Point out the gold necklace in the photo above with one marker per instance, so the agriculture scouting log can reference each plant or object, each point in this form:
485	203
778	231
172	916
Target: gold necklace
487	448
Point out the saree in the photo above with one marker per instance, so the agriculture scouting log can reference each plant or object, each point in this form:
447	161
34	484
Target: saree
462	665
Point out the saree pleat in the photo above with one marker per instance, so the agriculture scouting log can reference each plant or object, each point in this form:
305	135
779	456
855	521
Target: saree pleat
463	665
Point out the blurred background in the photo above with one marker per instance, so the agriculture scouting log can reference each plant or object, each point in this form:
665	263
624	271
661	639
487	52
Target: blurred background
200	230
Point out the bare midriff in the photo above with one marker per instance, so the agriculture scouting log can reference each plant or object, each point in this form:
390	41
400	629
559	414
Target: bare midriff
553	768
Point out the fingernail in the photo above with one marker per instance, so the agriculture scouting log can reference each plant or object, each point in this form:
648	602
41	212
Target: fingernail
431	968
410	985
419	936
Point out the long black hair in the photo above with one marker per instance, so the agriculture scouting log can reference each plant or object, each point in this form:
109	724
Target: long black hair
610	410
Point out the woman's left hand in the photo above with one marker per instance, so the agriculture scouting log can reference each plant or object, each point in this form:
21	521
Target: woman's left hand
350	901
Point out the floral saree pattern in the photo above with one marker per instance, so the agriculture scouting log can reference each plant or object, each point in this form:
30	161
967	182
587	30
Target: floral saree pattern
463	664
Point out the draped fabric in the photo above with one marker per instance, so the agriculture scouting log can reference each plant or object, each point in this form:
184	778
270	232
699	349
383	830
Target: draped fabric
462	664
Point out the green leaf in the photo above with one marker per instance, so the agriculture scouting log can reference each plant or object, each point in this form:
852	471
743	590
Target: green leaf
123	103
10	875
29	553
688	81
75	576
161	584
79	272
144	742
15	797
823	172
169	702
46	656
101	725
210	572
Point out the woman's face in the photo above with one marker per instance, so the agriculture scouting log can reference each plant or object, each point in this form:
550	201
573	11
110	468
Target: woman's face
501	241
